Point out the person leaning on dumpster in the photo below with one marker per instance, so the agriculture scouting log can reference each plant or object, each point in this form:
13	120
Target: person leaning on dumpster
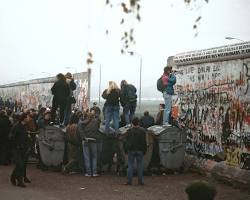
200	190
87	130
136	147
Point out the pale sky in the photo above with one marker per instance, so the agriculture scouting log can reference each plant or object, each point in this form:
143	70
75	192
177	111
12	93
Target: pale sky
40	38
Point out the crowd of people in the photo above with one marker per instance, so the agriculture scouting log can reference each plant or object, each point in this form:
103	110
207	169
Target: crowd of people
19	128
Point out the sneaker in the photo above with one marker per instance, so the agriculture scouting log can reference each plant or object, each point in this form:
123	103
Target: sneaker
167	125
87	175
128	126
64	170
96	175
61	126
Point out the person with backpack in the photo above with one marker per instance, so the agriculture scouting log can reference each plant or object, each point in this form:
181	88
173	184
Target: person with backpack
128	100
168	79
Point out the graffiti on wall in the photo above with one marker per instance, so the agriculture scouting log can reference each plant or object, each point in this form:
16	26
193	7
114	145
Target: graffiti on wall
215	98
37	92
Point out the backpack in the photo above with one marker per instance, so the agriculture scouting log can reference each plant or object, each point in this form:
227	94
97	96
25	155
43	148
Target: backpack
160	86
131	92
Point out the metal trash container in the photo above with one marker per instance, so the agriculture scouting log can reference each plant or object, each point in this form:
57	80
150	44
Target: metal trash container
51	146
172	141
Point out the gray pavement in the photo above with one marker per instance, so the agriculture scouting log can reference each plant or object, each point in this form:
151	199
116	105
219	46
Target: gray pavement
47	185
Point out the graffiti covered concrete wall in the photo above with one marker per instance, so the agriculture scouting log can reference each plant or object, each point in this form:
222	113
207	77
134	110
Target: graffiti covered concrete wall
38	91
214	95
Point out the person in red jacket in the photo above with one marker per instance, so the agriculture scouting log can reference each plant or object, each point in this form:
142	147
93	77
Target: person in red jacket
169	81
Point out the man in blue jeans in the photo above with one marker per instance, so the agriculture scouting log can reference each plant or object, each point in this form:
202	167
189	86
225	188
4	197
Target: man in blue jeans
136	147
87	130
169	80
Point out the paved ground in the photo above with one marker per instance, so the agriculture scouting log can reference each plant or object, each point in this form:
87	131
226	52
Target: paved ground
55	186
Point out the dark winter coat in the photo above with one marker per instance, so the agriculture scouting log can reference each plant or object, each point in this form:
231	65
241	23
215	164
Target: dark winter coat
113	98
5	127
136	140
60	90
128	94
88	128
147	121
19	137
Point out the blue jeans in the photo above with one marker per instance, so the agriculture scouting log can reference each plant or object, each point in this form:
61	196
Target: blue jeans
138	156
112	113
67	114
90	157
168	106
129	111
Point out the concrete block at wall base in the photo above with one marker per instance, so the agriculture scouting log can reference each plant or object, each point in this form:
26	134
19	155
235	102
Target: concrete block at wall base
235	176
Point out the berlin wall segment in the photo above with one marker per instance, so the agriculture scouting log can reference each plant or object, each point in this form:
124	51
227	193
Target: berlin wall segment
32	93
214	94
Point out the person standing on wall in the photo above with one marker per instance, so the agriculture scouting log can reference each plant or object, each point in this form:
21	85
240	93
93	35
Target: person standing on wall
128	100
169	80
112	107
61	92
71	99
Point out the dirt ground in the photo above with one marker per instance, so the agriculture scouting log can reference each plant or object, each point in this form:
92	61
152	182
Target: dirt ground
47	185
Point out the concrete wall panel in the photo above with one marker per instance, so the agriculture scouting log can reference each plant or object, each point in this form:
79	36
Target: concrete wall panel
215	98
38	91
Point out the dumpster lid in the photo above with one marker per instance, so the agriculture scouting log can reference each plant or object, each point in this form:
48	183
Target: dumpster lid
157	129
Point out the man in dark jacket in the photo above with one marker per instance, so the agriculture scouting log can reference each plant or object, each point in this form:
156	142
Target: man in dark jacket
136	148
87	130
20	150
128	100
5	126
147	120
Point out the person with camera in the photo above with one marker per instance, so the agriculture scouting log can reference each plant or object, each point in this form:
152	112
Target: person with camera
169	80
